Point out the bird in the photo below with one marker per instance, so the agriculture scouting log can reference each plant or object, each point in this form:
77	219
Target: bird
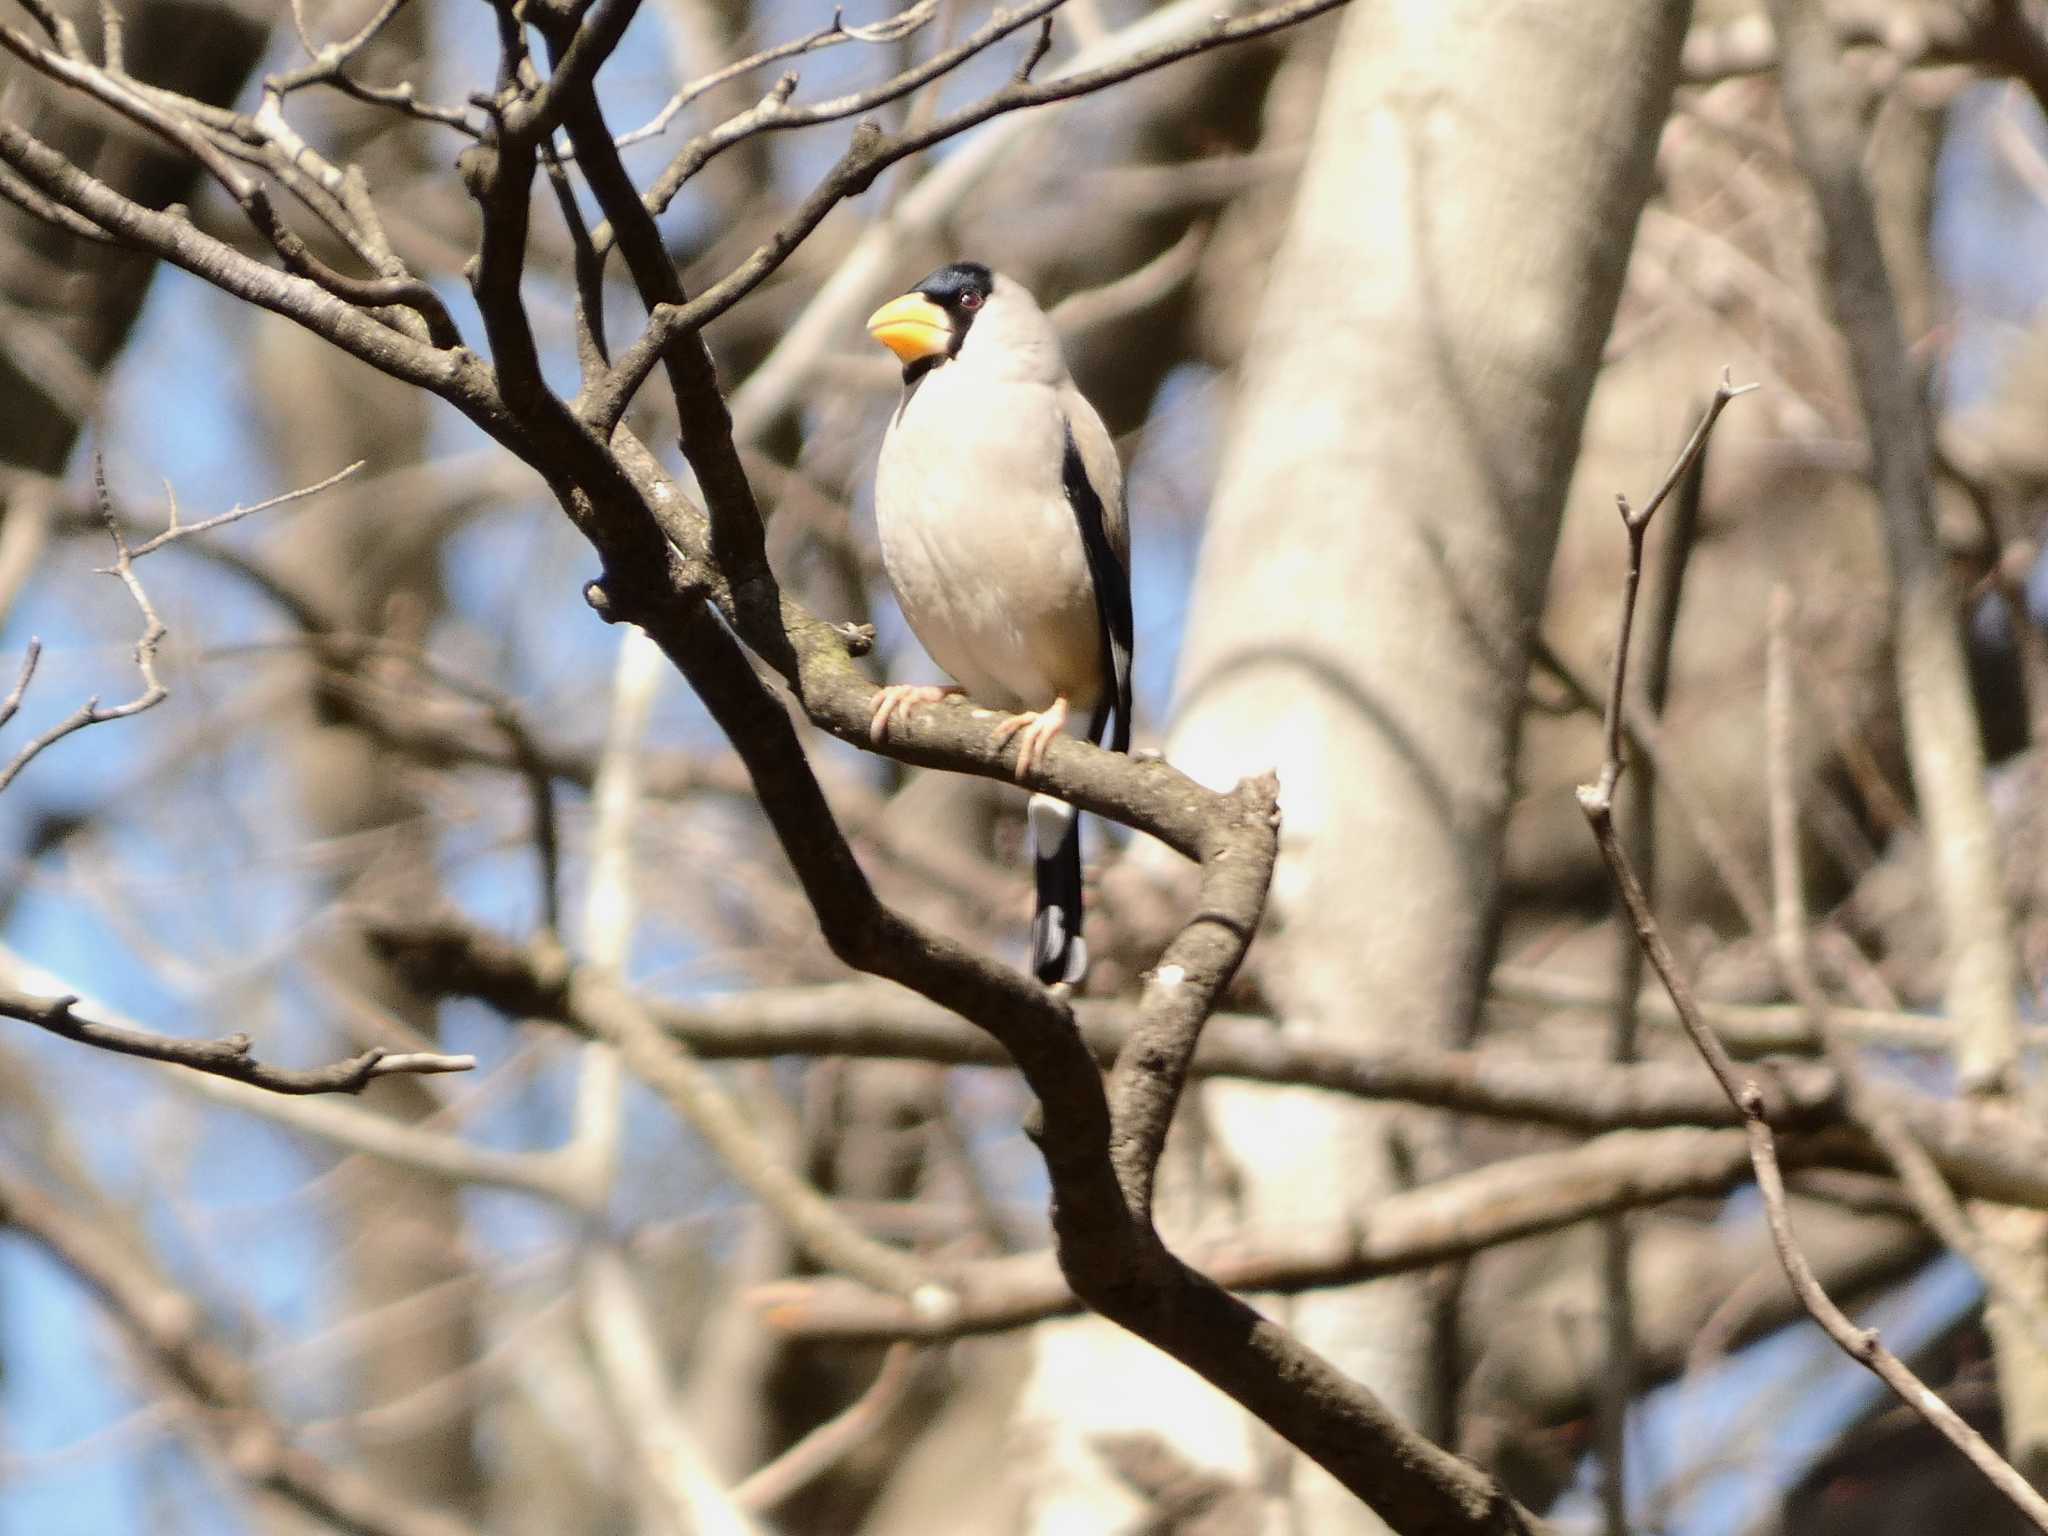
999	500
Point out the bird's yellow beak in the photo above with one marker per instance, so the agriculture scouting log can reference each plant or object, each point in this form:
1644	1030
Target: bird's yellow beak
912	327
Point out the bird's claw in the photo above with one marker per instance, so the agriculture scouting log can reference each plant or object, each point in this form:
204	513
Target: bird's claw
898	697
1035	730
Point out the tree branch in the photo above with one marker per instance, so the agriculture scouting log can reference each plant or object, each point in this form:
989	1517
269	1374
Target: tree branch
1943	744
90	712
1450	1219
166	1326
1862	1345
448	957
871	152
227	1056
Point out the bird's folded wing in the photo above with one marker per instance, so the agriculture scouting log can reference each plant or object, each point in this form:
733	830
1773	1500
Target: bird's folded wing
1093	481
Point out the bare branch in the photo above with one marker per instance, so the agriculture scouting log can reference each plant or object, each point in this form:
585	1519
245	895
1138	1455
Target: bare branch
1135	290
170	235
178	127
168	1330
1932	1200
1983	1147
1041	45
774	113
922	212
449	957
1452	1218
37	206
227	1056
889	30
153	692
178	530
1862	1345
1637	523
328	63
872	152
827	1445
91	713
1617	1384
348	1126
702	1104
1183	987
1943	742
29	658
663	558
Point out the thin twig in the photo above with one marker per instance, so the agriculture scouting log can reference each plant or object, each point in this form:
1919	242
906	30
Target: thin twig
227	1056
872	152
113	38
1041	45
235	514
829	1444
1933	1201
153	691
29	658
697	1098
593	353
1616	1387
1862	1345
921	213
168	1329
328	63
1637	523
889	30
393	297
1942	735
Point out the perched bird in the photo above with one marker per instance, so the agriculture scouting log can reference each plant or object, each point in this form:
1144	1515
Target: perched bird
1001	508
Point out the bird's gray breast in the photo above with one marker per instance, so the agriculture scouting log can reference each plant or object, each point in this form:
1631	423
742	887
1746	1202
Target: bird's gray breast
981	544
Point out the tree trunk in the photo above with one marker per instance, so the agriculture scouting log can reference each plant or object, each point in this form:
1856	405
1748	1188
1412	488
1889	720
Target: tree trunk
1377	552
371	562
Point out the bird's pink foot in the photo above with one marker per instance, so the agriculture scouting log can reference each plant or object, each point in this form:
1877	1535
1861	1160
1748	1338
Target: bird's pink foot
898	697
1035	730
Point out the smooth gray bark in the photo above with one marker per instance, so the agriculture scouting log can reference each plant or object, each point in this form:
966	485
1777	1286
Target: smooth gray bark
1378	546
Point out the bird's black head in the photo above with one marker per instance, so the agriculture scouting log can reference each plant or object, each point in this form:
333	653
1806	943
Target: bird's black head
961	288
928	325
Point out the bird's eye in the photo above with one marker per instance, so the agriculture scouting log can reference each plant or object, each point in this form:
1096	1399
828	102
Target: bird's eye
970	300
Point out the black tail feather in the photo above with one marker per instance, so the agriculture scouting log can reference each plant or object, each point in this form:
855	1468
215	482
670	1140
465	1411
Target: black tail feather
1058	952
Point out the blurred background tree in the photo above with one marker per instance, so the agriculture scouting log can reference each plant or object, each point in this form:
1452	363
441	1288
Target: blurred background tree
1385	306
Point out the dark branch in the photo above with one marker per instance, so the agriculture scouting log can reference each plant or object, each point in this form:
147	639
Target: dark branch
227	1056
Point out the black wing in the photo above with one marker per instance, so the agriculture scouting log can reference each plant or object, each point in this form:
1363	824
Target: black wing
1112	596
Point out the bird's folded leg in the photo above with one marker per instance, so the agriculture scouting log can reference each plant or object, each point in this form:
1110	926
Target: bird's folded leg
898	697
1036	729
